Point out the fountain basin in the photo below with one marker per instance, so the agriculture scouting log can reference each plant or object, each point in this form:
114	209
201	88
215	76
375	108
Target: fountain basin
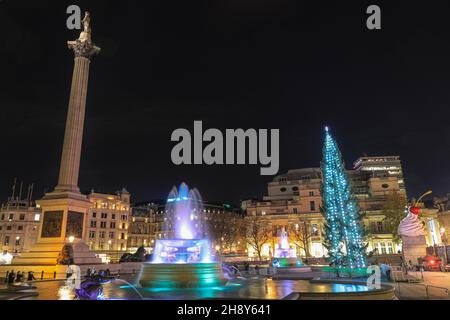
333	289
286	262
181	275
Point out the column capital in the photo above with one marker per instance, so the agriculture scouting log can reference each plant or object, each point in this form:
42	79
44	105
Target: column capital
85	49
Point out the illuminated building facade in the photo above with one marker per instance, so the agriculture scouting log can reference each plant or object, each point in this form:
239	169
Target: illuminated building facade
19	224
149	223
294	200
108	222
382	166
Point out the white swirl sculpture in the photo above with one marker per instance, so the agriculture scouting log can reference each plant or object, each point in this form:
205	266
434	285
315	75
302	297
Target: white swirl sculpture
411	226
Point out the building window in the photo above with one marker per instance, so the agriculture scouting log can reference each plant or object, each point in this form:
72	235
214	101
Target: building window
112	225
93	224
94	214
102	235
22	217
295	210
124	217
92	234
379	226
104	215
283	189
103	224
17	241
122	236
37	217
123	225
294	188
11	216
3	216
312	206
111	235
100	245
383	247
390	248
311	193
8	228
20	228
6	241
314	230
113	216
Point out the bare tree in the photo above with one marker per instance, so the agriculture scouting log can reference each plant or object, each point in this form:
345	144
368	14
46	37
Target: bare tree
224	229
393	211
300	234
235	230
257	233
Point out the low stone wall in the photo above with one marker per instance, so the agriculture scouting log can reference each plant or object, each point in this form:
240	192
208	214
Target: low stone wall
59	272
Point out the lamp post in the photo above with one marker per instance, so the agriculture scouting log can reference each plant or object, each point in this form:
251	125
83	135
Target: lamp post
416	204
423	195
444	242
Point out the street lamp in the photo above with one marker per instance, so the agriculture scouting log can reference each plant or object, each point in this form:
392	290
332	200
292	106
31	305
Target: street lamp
71	239
444	241
423	195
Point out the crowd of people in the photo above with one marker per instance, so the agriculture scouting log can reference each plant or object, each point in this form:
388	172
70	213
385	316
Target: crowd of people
12	277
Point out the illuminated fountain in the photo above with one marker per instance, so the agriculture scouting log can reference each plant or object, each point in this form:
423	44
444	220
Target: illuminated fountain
184	261
284	255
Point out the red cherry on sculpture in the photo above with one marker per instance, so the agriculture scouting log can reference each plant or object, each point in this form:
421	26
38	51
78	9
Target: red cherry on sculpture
414	210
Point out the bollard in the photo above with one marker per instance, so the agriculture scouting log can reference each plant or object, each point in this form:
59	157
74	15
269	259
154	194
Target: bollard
42	275
54	275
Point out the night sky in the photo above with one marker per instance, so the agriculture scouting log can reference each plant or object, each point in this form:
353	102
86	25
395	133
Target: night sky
292	65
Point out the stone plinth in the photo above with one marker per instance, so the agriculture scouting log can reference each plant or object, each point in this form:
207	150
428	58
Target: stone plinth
414	248
63	216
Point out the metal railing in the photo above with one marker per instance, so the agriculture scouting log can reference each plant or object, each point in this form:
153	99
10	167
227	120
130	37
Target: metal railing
445	292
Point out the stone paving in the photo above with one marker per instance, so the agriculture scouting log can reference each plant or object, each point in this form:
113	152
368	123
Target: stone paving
435	286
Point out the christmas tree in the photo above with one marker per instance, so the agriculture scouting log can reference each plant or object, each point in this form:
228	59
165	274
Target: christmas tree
344	232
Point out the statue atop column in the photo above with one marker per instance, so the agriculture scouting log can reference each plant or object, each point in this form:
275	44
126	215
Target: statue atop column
83	46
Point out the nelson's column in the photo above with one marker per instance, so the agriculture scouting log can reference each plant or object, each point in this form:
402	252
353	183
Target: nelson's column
65	209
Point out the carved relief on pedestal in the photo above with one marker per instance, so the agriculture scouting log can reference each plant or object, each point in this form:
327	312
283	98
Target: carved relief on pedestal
74	224
52	224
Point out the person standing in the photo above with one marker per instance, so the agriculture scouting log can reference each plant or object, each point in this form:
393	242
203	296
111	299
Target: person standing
31	276
11	277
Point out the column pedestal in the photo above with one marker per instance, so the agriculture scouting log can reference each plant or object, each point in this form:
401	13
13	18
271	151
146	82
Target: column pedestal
63	217
414	248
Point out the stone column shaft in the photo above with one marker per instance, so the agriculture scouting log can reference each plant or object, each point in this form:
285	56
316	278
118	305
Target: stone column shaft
71	154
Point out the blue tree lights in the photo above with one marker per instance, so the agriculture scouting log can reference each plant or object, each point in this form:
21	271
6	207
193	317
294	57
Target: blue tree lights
344	232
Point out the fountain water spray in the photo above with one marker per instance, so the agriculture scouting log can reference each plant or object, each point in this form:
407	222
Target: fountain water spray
184	210
183	259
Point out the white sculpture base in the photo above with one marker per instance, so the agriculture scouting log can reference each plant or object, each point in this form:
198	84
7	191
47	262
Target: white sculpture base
414	248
